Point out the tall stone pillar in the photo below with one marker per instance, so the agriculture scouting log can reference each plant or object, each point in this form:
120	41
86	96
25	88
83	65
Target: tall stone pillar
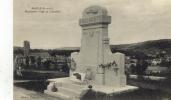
95	49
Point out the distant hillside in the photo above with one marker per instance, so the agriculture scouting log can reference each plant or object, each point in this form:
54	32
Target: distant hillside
147	47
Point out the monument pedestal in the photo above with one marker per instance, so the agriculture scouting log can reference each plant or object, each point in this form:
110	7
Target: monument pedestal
68	89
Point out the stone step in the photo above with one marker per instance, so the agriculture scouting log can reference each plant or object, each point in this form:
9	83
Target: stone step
74	86
69	92
59	95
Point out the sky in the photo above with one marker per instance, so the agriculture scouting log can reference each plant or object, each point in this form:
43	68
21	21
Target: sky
132	21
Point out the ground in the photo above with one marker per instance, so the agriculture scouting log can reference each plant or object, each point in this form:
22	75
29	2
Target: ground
23	94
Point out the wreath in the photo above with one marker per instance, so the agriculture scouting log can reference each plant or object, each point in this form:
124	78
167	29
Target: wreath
108	65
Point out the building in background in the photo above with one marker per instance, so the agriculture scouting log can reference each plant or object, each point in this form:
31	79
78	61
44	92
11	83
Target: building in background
26	48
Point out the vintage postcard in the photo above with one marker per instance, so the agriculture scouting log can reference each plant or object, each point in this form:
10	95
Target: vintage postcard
92	49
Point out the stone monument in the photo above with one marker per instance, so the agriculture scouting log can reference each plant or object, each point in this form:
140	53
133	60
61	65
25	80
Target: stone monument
95	54
95	64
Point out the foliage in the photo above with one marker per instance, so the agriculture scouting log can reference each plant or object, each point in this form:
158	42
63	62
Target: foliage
19	51
61	52
132	69
165	63
139	68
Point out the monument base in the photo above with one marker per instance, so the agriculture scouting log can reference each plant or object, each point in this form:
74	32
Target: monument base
68	89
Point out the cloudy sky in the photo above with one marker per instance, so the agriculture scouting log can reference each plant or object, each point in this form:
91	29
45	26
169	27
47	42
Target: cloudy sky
132	21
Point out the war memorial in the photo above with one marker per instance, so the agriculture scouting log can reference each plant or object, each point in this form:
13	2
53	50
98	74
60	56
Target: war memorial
95	67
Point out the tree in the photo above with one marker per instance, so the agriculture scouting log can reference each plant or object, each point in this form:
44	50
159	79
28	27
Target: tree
165	63
132	69
141	67
18	51
27	61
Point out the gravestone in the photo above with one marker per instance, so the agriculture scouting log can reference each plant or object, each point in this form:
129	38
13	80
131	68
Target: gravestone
95	54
